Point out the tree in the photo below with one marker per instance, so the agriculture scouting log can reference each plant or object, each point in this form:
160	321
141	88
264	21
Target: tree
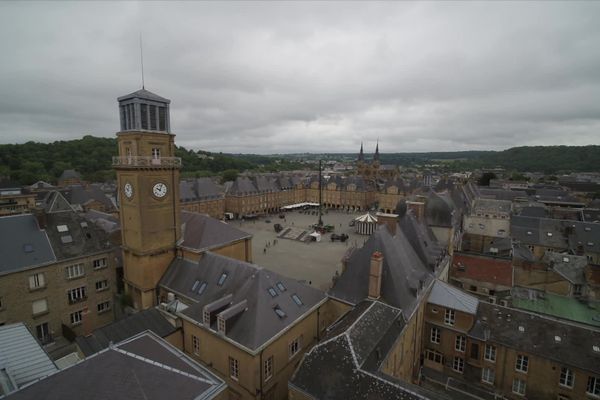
486	178
229	175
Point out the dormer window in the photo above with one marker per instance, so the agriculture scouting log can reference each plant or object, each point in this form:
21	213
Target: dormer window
222	279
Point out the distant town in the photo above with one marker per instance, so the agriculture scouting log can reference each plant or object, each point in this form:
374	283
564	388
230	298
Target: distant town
133	268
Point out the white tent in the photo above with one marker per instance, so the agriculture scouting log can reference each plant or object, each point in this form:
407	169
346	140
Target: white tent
365	224
317	236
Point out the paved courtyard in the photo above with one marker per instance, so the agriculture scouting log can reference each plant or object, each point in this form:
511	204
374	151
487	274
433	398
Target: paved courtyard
313	262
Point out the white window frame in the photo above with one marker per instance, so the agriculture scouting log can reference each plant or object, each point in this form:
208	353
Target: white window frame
519	386
103	285
449	317
234	368
37	281
268	368
103	307
567	377
593	386
75	271
77	294
196	345
458	364
522	363
434	356
460	344
436	335
488	375
100	263
294	347
76	317
489	353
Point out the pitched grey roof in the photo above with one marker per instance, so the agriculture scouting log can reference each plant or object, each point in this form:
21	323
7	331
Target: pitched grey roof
438	210
69	174
584	235
144	367
571	267
107	222
144	94
199	189
242	186
422	240
201	232
574	348
538	231
81	195
22	356
147	320
54	202
345	365
23	245
244	281
81	238
445	295
404	275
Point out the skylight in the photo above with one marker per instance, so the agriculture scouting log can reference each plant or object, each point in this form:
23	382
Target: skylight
521	328
62	228
195	285
297	300
66	239
566	259
557	339
549	234
28	248
596	348
280	313
272	292
222	279
280	286
202	287
83	224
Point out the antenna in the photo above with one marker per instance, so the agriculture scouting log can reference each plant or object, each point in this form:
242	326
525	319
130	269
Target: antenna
142	60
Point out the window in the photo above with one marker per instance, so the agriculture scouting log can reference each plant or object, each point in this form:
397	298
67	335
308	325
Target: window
458	365
449	317
37	281
294	347
280	286
434	356
435	335
460	344
43	333
566	377
268	368
272	292
196	345
74	271
201	288
155	153
577	290
297	300
593	386
519	386
234	368
487	375
162	117
144	115
490	353
100	263
222	279
39	307
153	118
101	285
76	317
76	295
103	307
522	363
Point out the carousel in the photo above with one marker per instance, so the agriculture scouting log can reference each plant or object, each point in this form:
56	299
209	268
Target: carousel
365	224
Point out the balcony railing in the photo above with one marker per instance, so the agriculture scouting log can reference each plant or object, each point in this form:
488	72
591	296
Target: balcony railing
146	161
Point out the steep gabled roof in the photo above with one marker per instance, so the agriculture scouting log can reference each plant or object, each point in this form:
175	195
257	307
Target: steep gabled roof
404	275
241	186
144	94
448	296
244	281
201	232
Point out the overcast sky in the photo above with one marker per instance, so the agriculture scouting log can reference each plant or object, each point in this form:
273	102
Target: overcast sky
310	76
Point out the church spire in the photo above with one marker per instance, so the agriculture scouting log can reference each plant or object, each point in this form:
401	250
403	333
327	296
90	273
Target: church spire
361	155
376	156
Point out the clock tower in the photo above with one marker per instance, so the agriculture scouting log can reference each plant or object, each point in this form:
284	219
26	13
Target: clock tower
148	187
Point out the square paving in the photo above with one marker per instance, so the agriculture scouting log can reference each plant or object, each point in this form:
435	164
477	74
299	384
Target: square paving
312	262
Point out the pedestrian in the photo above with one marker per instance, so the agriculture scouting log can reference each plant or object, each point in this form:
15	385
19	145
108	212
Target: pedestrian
265	250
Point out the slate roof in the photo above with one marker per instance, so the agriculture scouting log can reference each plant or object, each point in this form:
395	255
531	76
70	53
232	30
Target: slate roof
345	365
27	246
144	367
570	267
144	94
81	238
438	210
584	234
54	201
575	347
22	357
146	320
82	195
445	295
422	240
244	281
242	186
403	274
201	232
199	189
538	231
107	222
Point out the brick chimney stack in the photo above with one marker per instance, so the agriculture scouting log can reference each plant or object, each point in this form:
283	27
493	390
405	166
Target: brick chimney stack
375	273
391	220
40	216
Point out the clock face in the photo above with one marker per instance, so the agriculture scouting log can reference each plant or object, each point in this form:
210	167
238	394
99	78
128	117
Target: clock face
159	190
128	190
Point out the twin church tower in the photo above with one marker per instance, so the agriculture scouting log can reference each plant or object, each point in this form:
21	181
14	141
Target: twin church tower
148	186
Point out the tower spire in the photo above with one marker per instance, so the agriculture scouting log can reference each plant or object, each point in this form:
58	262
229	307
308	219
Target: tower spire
376	156
361	155
142	60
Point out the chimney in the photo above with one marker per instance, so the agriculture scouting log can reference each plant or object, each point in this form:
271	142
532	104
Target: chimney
375	272
418	208
391	220
40	216
228	314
